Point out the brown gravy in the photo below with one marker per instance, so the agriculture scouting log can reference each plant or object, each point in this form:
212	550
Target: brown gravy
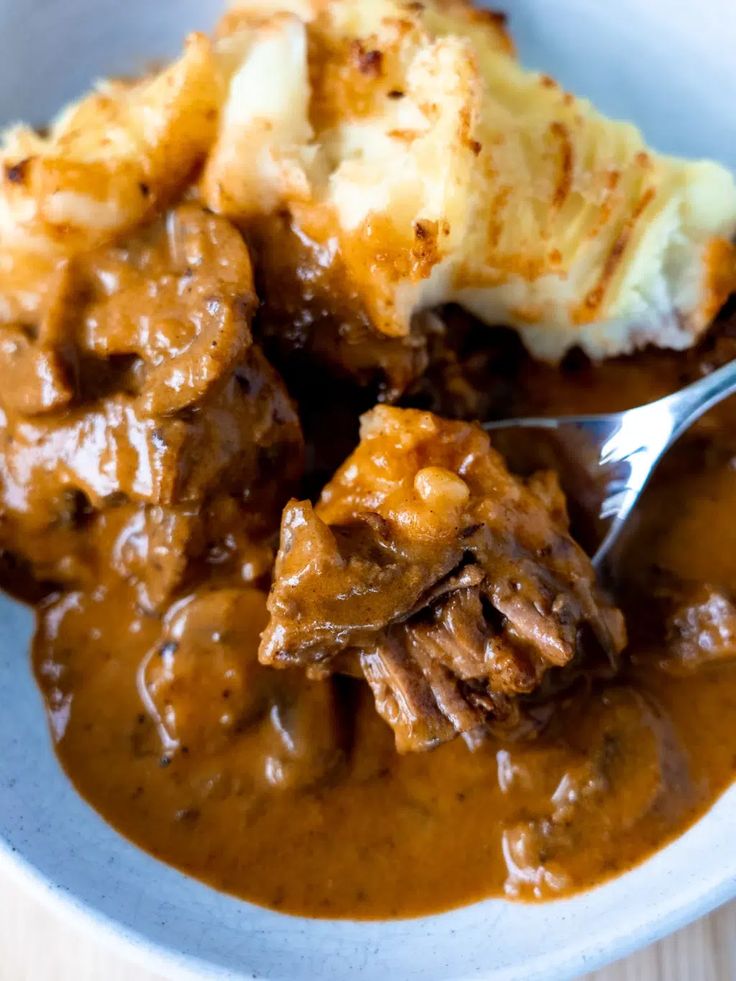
622	767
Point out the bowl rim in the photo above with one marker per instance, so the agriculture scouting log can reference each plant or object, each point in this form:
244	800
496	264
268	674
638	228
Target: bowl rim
570	961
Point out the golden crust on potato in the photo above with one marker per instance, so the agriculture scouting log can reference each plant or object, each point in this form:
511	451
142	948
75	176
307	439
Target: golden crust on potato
405	143
110	161
410	144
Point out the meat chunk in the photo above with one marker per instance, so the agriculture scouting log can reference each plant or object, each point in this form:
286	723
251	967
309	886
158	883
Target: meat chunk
198	682
204	690
163	315
310	317
453	585
613	765
179	297
473	370
140	379
701	631
37	378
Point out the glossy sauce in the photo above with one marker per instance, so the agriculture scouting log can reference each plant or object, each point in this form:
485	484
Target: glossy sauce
318	815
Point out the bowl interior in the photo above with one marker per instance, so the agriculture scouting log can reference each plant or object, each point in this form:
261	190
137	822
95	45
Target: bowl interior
668	66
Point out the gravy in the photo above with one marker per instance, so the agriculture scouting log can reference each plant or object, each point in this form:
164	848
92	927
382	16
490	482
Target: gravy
623	765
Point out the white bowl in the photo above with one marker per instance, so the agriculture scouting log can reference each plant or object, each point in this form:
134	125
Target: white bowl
667	65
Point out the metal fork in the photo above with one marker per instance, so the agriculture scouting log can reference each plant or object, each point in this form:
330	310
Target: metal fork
608	459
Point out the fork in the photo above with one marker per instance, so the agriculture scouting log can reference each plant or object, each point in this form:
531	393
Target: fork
608	459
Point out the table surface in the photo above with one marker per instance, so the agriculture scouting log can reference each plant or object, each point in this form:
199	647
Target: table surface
35	945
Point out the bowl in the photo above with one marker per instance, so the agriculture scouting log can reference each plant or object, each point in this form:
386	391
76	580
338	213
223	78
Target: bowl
667	65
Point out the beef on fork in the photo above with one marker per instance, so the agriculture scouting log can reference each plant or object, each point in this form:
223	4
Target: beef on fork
455	585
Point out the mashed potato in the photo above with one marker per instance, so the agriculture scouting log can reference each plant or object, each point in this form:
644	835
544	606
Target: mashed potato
406	143
107	164
112	160
407	138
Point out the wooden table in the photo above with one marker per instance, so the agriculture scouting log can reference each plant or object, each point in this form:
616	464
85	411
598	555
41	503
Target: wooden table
35	945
